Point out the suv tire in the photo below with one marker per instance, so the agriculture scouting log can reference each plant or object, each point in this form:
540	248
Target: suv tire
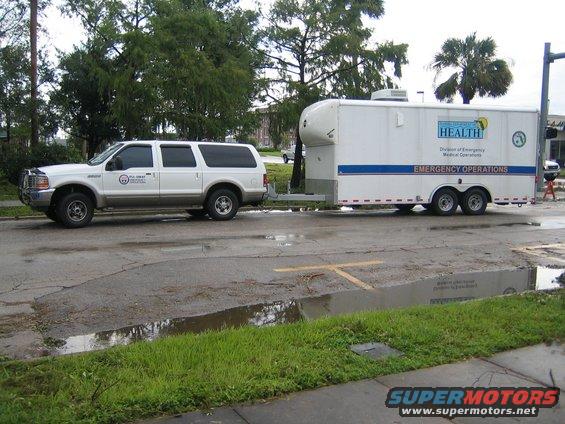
285	158
75	210
222	205
51	213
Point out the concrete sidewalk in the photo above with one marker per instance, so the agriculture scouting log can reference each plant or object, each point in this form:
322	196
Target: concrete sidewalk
363	401
10	203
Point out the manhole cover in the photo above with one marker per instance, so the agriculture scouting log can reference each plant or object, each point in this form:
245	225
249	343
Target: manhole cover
375	350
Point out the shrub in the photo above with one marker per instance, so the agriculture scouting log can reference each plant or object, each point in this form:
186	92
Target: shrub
14	158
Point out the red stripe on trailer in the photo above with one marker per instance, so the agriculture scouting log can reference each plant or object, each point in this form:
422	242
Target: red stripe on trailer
515	198
399	200
355	201
497	198
506	198
377	200
367	200
410	200
524	198
388	200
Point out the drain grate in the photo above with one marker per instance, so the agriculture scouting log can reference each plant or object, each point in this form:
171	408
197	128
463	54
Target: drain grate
375	350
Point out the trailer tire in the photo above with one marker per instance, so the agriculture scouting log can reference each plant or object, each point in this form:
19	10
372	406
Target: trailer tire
445	202
197	213
285	158
75	210
222	205
474	202
405	208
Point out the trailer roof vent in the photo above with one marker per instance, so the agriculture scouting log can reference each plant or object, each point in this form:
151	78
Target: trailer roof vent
391	95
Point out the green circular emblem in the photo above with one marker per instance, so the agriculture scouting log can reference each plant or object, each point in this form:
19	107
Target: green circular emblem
519	139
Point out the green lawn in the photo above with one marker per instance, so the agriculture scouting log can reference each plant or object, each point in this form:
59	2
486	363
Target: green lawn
267	151
279	173
16	211
188	372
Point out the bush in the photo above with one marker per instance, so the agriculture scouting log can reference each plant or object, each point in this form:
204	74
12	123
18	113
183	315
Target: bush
14	158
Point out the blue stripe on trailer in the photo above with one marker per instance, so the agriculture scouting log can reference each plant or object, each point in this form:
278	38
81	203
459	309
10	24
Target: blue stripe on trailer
435	170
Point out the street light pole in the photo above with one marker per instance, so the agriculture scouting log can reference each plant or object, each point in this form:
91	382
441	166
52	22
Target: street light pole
548	59
422	93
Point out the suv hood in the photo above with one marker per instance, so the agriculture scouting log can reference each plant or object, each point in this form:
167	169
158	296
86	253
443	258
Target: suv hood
68	168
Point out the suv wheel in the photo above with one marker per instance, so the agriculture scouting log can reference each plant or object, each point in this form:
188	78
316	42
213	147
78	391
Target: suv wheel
75	210
445	202
474	202
285	158
222	205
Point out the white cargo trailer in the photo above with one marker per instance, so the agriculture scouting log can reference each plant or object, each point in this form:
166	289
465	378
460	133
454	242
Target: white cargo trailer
363	152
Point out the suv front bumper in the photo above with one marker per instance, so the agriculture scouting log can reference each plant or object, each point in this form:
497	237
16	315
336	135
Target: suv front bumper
36	199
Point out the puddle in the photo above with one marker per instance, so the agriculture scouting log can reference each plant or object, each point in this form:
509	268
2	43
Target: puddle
548	224
430	291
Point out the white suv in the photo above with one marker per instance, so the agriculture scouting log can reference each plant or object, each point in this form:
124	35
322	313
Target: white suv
205	178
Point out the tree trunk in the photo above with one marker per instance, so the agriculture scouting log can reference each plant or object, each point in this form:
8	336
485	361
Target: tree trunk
297	168
33	44
8	127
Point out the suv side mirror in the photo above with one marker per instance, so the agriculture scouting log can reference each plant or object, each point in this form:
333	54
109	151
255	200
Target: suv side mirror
111	165
119	163
550	132
115	164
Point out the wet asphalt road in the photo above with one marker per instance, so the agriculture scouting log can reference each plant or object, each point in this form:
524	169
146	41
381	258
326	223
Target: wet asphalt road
128	270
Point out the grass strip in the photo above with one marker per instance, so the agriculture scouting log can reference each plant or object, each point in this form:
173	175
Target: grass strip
17	211
196	371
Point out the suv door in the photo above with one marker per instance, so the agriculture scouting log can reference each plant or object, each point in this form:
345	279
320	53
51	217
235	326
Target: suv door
180	175
136	181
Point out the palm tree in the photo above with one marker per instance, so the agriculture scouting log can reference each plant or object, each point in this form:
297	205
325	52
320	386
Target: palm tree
477	70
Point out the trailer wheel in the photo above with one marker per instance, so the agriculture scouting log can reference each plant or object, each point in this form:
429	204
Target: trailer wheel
405	207
222	205
474	202
445	202
285	158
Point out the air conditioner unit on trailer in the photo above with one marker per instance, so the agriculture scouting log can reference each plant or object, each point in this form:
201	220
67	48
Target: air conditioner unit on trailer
390	95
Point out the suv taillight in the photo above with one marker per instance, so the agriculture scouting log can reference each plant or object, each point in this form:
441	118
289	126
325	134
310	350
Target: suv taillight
265	180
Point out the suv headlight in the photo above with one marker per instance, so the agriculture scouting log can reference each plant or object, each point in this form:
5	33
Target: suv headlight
40	182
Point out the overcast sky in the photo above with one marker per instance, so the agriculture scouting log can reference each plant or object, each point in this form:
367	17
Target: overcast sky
519	28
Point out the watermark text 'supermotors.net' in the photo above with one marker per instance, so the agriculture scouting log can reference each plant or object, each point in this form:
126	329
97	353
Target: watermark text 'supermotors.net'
452	402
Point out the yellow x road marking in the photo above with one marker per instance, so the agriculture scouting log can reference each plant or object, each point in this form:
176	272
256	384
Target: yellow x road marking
337	269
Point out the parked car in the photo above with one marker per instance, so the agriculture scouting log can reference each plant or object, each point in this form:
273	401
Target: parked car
551	170
205	178
288	154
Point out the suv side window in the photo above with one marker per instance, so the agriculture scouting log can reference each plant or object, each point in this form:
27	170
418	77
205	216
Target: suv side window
178	157
137	157
227	156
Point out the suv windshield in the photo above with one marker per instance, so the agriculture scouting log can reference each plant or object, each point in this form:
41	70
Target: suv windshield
101	157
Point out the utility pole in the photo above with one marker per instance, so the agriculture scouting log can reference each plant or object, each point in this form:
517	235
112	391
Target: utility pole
33	45
548	59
